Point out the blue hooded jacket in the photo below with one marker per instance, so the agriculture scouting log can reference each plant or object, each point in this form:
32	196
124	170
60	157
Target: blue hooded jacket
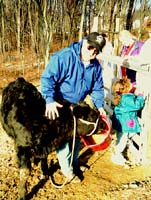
125	117
65	77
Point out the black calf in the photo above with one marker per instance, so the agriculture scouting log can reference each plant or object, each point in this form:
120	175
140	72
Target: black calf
23	119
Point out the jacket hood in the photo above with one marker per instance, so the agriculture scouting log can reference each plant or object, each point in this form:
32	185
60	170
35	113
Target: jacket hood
76	47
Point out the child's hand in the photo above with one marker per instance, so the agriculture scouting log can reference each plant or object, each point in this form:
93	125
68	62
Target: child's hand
139	92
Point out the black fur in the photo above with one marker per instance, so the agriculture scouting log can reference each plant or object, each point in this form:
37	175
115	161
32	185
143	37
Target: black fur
23	119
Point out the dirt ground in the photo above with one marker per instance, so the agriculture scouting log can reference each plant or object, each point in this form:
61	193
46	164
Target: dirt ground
103	180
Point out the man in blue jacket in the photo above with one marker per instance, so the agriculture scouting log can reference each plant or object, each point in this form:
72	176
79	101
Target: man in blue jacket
71	74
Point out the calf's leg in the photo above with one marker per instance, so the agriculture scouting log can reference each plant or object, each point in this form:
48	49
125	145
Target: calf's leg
44	168
24	170
24	174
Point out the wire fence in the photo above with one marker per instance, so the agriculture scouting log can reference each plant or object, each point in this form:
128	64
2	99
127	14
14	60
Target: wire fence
13	66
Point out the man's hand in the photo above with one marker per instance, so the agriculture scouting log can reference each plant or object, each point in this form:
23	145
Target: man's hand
102	111
52	111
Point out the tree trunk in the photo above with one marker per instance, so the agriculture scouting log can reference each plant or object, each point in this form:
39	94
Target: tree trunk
82	19
47	20
142	16
111	19
18	26
117	27
31	26
129	15
2	42
123	15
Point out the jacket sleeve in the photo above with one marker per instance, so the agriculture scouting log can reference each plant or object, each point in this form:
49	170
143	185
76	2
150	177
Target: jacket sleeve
51	77
132	104
98	89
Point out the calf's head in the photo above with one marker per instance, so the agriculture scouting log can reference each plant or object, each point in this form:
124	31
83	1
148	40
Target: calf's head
87	118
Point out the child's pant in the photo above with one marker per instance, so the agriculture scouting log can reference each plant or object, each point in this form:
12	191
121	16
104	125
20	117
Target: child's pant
123	139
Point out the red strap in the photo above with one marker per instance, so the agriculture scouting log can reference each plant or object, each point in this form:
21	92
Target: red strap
123	71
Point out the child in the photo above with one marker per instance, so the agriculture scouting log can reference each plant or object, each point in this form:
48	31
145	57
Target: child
124	119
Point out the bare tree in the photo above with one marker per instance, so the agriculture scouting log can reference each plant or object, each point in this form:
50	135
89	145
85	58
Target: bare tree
142	14
18	24
123	15
2	43
82	19
47	19
111	14
99	14
130	14
73	10
33	25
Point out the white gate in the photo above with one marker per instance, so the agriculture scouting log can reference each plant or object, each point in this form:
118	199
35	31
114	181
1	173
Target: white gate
111	66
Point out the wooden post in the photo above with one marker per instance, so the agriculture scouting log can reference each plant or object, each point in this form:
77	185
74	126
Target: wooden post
95	24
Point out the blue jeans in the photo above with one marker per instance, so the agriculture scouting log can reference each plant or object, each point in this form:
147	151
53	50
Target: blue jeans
64	156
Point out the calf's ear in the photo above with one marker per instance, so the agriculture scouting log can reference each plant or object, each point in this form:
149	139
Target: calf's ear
76	110
80	111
